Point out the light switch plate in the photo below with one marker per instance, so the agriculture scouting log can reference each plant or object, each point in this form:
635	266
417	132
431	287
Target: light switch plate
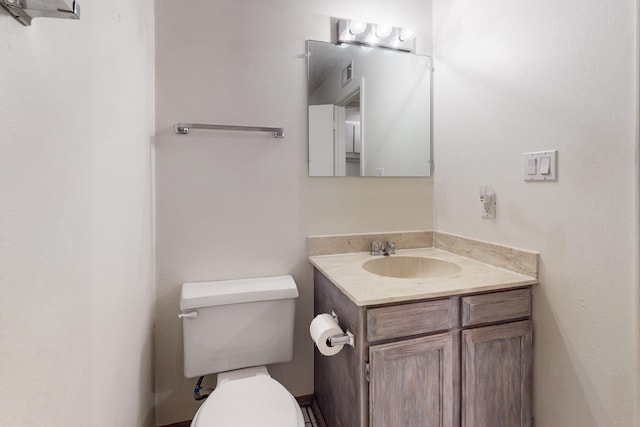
550	159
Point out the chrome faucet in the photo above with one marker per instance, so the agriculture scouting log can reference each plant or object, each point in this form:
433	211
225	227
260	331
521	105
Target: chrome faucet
377	248
390	249
380	248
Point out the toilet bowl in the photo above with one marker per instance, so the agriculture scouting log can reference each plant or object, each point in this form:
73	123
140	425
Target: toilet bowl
248	398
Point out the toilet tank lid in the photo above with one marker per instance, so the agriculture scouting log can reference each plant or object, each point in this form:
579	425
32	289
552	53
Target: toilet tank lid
208	294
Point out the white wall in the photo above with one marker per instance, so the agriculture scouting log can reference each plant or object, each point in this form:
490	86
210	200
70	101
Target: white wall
240	205
76	273
513	77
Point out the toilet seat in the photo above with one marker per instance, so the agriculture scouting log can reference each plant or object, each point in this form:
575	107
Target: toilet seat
255	400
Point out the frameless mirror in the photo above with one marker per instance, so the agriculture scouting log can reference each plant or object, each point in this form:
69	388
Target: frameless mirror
369	111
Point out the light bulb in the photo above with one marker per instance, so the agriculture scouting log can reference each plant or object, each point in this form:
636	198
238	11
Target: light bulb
383	31
357	27
407	34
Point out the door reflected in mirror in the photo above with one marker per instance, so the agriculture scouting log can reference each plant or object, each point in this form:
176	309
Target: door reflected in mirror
369	111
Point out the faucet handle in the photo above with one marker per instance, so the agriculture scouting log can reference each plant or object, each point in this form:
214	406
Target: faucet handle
390	248
377	247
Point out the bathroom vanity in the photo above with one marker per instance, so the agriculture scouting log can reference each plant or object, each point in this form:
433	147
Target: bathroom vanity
433	351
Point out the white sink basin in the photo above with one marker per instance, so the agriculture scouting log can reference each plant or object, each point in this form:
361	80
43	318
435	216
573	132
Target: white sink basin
410	267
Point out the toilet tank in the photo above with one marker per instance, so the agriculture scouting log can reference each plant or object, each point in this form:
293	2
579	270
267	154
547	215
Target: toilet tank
235	324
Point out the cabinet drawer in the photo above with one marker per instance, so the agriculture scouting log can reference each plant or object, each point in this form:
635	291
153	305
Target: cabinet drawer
411	319
496	307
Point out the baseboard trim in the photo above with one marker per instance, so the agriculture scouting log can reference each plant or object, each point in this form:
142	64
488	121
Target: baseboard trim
305	400
310	401
316	413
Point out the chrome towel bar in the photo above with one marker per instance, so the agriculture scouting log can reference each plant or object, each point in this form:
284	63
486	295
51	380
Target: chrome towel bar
184	128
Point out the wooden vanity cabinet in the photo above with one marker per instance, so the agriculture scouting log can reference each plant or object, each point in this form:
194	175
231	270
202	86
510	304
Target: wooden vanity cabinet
412	382
496	375
446	362
497	359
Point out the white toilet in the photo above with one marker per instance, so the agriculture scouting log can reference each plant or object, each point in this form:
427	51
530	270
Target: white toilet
234	328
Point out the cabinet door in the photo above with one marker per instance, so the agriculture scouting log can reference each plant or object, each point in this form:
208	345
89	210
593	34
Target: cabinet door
414	383
496	375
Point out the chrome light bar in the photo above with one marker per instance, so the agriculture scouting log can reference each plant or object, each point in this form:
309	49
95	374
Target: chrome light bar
376	35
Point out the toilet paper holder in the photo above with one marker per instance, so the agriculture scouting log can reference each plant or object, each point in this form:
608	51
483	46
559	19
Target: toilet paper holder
348	338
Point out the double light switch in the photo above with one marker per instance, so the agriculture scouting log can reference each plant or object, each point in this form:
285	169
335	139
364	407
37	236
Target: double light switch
541	166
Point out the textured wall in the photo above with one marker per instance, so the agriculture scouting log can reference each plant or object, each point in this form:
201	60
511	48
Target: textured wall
76	248
513	77
240	205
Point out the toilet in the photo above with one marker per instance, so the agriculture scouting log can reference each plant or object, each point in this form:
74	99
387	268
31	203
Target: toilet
234	328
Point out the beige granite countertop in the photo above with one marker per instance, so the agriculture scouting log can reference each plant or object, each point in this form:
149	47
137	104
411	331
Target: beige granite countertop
364	288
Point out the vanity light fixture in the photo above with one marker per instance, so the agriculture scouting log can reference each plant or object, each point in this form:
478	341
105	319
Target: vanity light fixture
383	31
368	34
407	34
372	39
357	27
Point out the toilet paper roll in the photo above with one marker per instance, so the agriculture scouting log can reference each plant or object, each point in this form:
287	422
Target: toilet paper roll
322	327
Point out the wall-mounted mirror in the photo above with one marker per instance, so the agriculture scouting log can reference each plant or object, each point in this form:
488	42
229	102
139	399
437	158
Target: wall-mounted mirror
369	111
